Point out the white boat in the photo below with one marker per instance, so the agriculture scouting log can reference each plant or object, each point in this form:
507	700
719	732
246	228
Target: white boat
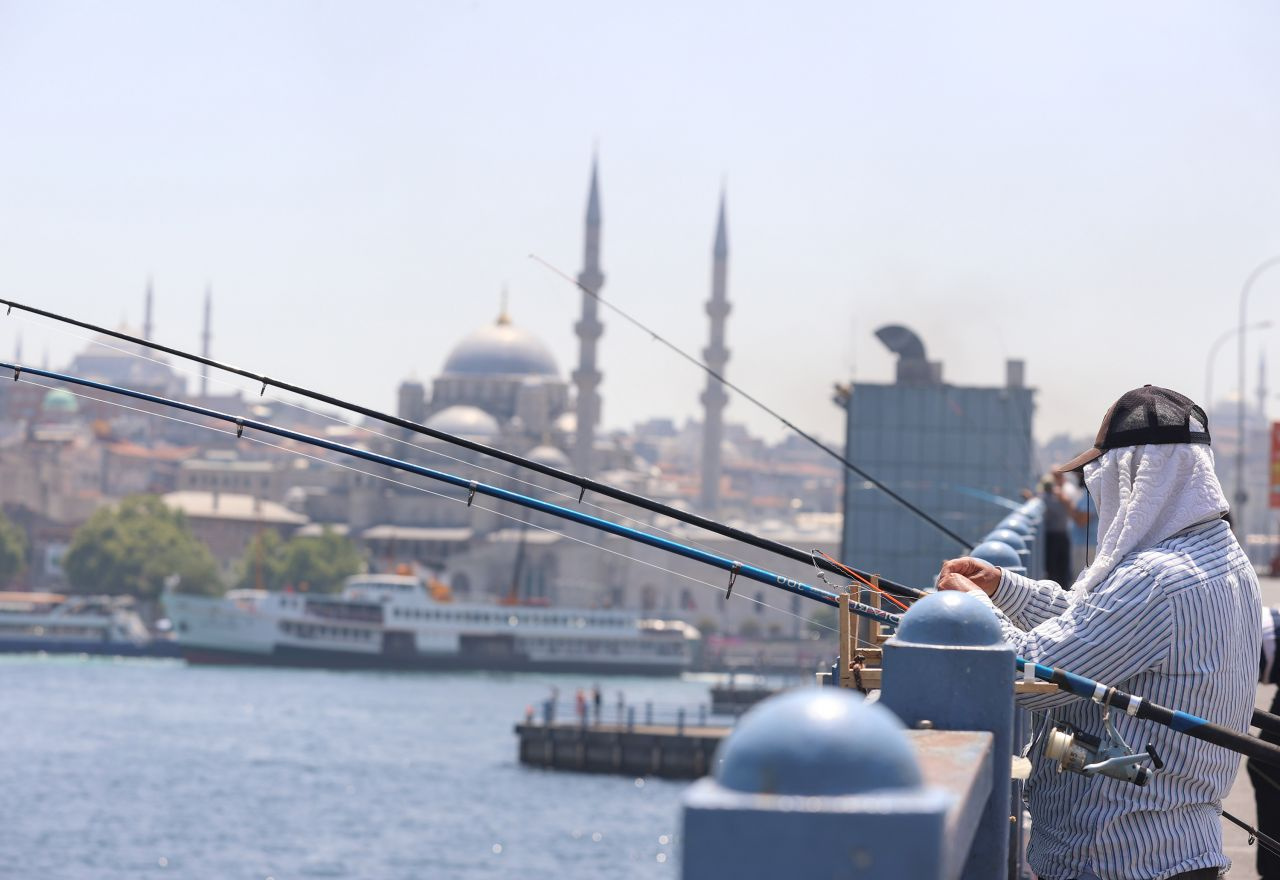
387	621
56	624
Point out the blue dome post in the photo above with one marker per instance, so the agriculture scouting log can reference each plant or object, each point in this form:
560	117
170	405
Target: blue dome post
948	665
818	782
1028	530
1015	541
1000	554
1033	513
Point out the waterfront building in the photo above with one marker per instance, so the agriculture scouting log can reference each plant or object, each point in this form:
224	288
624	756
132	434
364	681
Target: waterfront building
940	446
227	522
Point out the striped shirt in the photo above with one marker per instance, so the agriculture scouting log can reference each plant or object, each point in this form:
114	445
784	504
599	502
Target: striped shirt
1178	624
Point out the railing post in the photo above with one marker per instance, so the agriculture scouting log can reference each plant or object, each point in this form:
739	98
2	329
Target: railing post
631	719
948	668
817	782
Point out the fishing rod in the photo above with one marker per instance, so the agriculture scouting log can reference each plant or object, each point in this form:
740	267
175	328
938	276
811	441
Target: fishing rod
656	337
473	488
584	484
1076	685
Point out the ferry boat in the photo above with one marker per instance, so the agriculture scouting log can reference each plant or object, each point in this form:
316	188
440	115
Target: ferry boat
391	621
56	624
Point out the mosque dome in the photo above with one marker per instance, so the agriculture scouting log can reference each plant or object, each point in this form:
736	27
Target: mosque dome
501	349
566	422
59	400
465	421
549	456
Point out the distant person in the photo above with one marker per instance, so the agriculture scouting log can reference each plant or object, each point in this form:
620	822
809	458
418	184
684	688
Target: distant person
1083	532
597	700
580	703
1057	540
1265	778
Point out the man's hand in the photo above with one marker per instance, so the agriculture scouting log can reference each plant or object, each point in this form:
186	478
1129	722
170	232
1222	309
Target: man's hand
968	574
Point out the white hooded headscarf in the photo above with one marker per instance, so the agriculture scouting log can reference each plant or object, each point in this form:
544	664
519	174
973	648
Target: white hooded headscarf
1145	494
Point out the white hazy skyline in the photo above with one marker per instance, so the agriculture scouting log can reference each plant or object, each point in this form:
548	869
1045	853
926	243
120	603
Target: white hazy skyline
1084	186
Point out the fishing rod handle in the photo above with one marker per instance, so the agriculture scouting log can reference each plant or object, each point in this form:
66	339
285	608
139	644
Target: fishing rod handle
1191	725
1266	721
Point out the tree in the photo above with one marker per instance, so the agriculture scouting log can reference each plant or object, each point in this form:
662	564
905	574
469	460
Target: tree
133	547
318	563
13	550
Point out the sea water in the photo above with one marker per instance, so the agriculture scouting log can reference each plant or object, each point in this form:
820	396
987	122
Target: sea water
116	768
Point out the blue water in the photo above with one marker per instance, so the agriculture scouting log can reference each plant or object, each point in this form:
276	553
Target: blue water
150	768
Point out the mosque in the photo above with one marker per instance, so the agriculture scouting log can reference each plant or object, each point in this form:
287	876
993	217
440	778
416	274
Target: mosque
501	386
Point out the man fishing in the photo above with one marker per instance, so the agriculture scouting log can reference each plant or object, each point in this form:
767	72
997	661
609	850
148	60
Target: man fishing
1169	609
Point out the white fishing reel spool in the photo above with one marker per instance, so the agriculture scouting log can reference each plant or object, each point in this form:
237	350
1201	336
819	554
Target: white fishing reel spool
1079	752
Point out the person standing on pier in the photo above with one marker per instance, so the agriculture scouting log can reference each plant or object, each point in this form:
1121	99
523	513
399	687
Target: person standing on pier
1266	784
1057	537
1169	608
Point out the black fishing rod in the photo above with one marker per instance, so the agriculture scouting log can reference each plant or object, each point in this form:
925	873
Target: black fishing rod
656	337
584	484
473	488
1077	685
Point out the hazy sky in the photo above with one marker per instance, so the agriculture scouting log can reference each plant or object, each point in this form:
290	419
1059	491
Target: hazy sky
1082	185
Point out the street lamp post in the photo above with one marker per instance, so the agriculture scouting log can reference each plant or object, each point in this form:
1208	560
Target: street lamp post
1241	496
1212	359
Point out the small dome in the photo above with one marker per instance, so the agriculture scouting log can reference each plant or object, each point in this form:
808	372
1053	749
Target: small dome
999	553
501	349
566	422
549	456
951	618
467	421
817	741
59	400
1017	523
1010	537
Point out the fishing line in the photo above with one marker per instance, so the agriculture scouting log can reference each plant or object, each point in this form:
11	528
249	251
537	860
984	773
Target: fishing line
583	483
511	517
656	337
229	383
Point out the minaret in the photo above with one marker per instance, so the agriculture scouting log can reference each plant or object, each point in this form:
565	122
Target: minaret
146	311
587	377
205	338
716	356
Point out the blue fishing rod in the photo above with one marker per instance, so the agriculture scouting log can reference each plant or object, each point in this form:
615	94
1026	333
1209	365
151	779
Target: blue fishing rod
1077	685
584	484
473	488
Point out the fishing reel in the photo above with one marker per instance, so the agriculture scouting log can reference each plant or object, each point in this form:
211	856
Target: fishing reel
1109	755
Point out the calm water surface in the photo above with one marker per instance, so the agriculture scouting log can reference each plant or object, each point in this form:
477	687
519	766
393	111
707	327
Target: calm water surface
148	768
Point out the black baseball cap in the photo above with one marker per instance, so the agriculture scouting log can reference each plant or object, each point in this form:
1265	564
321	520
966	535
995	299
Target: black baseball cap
1146	415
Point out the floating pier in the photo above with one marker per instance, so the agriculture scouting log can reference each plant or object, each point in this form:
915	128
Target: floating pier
671	751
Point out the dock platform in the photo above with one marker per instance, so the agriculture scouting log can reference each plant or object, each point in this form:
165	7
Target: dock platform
664	750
